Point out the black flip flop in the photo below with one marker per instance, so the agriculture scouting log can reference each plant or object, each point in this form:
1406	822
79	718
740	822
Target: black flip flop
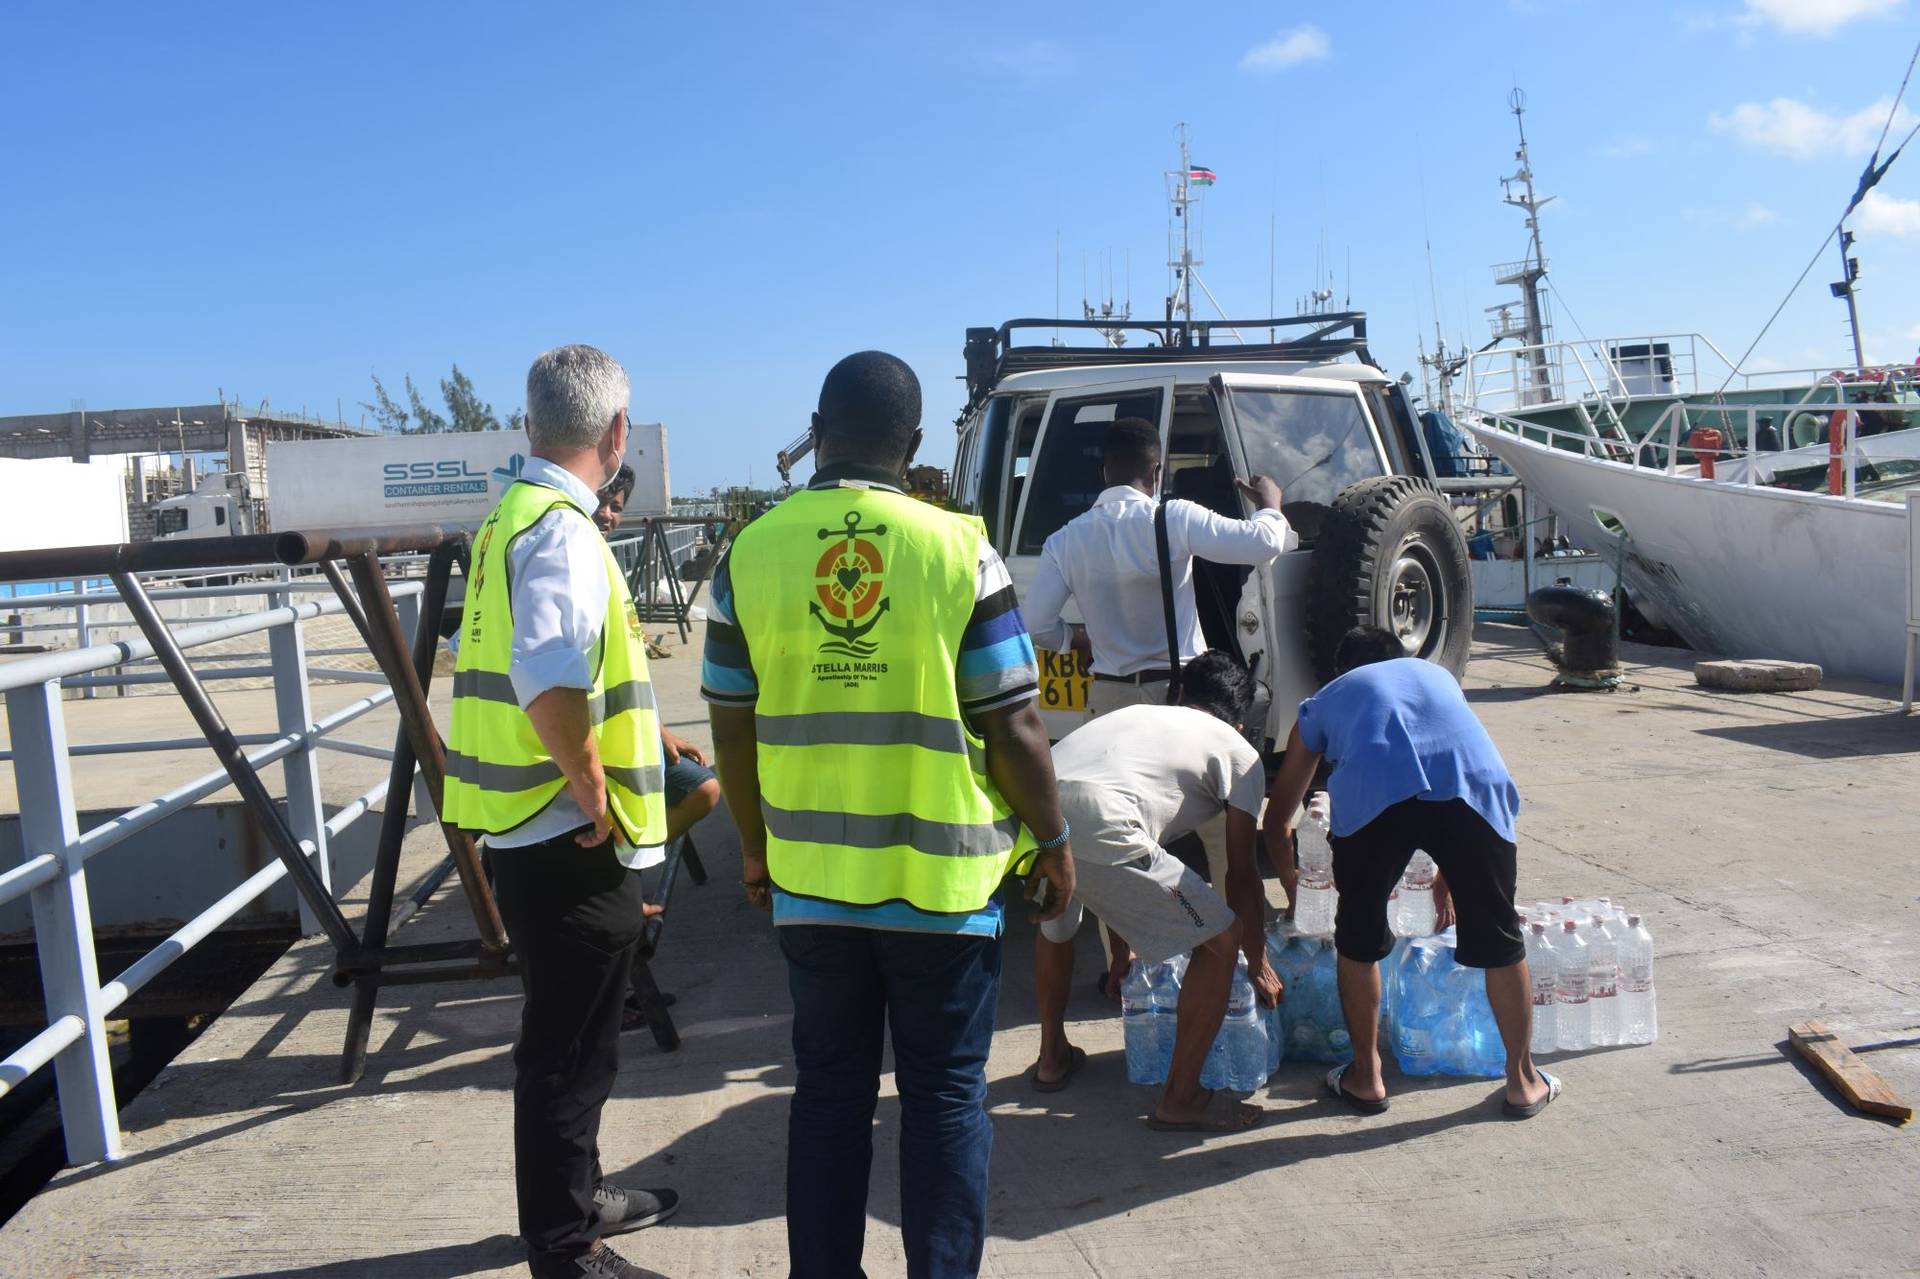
1359	1105
1531	1109
1223	1116
1076	1059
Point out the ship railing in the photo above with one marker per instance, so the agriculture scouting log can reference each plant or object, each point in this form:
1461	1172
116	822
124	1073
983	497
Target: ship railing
54	850
1754	439
1613	372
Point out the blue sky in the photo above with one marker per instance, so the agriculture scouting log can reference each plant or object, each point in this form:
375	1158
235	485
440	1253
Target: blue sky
279	200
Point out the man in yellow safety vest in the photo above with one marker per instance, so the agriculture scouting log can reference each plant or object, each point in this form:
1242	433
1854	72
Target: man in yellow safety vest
553	754
872	698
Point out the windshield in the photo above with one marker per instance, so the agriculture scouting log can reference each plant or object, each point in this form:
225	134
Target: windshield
170	520
1314	444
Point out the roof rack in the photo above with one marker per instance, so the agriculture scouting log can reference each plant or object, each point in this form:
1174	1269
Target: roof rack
992	354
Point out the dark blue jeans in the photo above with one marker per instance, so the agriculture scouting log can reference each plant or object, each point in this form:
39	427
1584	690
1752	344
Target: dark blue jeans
937	994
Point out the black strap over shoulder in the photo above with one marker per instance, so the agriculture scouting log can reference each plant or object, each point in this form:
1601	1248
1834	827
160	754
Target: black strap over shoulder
1166	599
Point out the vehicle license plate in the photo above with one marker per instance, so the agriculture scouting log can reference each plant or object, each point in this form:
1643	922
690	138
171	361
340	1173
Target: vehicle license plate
1063	680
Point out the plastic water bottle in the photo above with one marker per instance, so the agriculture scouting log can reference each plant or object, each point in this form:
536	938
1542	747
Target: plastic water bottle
1542	968
1572	1016
1278	934
1137	1021
1603	979
1639	1018
1314	894
1414	911
1418	1013
1164	981
1244	1032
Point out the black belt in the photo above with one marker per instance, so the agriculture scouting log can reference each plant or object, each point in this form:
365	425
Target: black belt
1140	677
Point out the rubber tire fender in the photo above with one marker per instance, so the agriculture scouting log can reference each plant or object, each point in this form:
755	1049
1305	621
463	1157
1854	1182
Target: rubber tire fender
1368	528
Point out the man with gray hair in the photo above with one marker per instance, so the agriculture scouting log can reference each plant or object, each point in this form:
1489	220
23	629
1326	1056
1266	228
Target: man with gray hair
553	755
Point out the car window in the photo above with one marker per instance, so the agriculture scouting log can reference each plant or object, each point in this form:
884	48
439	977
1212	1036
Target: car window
1312	443
1066	475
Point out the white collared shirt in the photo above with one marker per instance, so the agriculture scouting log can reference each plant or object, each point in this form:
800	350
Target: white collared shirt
1105	560
557	571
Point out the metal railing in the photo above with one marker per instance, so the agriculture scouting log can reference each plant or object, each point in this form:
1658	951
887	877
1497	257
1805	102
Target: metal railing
1825	443
1617	371
55	851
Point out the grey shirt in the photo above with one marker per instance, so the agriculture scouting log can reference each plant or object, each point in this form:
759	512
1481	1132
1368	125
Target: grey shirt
1182	767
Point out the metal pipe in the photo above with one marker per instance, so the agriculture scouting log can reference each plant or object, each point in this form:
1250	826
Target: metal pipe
411	699
203	555
418	899
350	601
306	879
135	820
156	744
42	667
352	813
365	749
295	548
18	881
40	1050
188	935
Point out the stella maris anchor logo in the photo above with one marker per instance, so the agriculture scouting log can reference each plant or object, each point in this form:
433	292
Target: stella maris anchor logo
850	581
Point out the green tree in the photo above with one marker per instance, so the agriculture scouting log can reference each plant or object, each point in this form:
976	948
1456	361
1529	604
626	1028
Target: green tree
426	421
387	415
465	410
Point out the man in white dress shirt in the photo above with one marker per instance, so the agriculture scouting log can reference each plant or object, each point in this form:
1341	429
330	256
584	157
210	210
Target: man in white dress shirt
1105	561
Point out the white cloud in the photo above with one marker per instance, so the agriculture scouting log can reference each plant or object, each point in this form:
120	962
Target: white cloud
1816	17
1626	148
1787	126
1887	215
1033	58
1301	44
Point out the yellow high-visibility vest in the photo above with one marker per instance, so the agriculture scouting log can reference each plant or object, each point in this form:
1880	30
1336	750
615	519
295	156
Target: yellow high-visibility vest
499	775
853	603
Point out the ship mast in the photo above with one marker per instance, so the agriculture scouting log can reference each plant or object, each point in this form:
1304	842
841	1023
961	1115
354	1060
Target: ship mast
1180	193
1844	288
1530	274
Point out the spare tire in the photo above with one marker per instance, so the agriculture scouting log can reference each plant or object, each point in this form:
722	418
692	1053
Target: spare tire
1390	554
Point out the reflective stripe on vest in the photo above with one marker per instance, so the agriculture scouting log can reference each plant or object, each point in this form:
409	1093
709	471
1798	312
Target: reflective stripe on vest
499	775
853	603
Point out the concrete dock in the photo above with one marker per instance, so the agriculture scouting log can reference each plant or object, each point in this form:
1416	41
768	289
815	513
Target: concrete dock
1768	839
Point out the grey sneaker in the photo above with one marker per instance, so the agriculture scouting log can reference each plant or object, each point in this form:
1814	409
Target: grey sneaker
623	1210
604	1263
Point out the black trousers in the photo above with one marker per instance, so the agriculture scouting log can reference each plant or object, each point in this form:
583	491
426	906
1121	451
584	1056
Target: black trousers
573	916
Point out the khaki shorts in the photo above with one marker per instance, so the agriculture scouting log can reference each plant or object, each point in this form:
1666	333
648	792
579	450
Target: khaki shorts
1136	887
1107	695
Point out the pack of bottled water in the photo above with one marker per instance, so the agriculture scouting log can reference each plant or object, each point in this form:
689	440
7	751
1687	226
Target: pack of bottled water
1438	1018
1307	1024
1592	968
1243	1053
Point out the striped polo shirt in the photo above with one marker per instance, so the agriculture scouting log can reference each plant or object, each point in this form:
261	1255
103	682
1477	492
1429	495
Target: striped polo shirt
995	669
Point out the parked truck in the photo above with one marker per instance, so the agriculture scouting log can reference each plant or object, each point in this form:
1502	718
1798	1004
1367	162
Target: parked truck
386	481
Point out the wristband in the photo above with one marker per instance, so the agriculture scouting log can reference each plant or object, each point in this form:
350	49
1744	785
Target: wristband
1048	845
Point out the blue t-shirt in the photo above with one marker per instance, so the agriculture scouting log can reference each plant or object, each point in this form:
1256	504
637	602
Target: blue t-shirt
1402	729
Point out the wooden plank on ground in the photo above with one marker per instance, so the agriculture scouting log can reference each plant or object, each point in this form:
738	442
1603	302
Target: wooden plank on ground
1858	1082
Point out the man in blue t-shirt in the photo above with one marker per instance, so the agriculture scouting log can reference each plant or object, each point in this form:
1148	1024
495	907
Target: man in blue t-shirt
1413	768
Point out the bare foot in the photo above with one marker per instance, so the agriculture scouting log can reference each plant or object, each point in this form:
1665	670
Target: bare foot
1205	1111
1530	1091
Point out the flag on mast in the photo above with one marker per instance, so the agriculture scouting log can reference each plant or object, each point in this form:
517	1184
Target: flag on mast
1201	176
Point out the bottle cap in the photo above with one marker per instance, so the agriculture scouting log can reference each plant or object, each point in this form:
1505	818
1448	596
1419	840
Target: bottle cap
1538	927
1571	925
1633	921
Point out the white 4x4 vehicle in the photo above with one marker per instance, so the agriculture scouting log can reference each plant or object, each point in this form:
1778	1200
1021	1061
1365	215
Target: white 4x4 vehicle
1379	545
